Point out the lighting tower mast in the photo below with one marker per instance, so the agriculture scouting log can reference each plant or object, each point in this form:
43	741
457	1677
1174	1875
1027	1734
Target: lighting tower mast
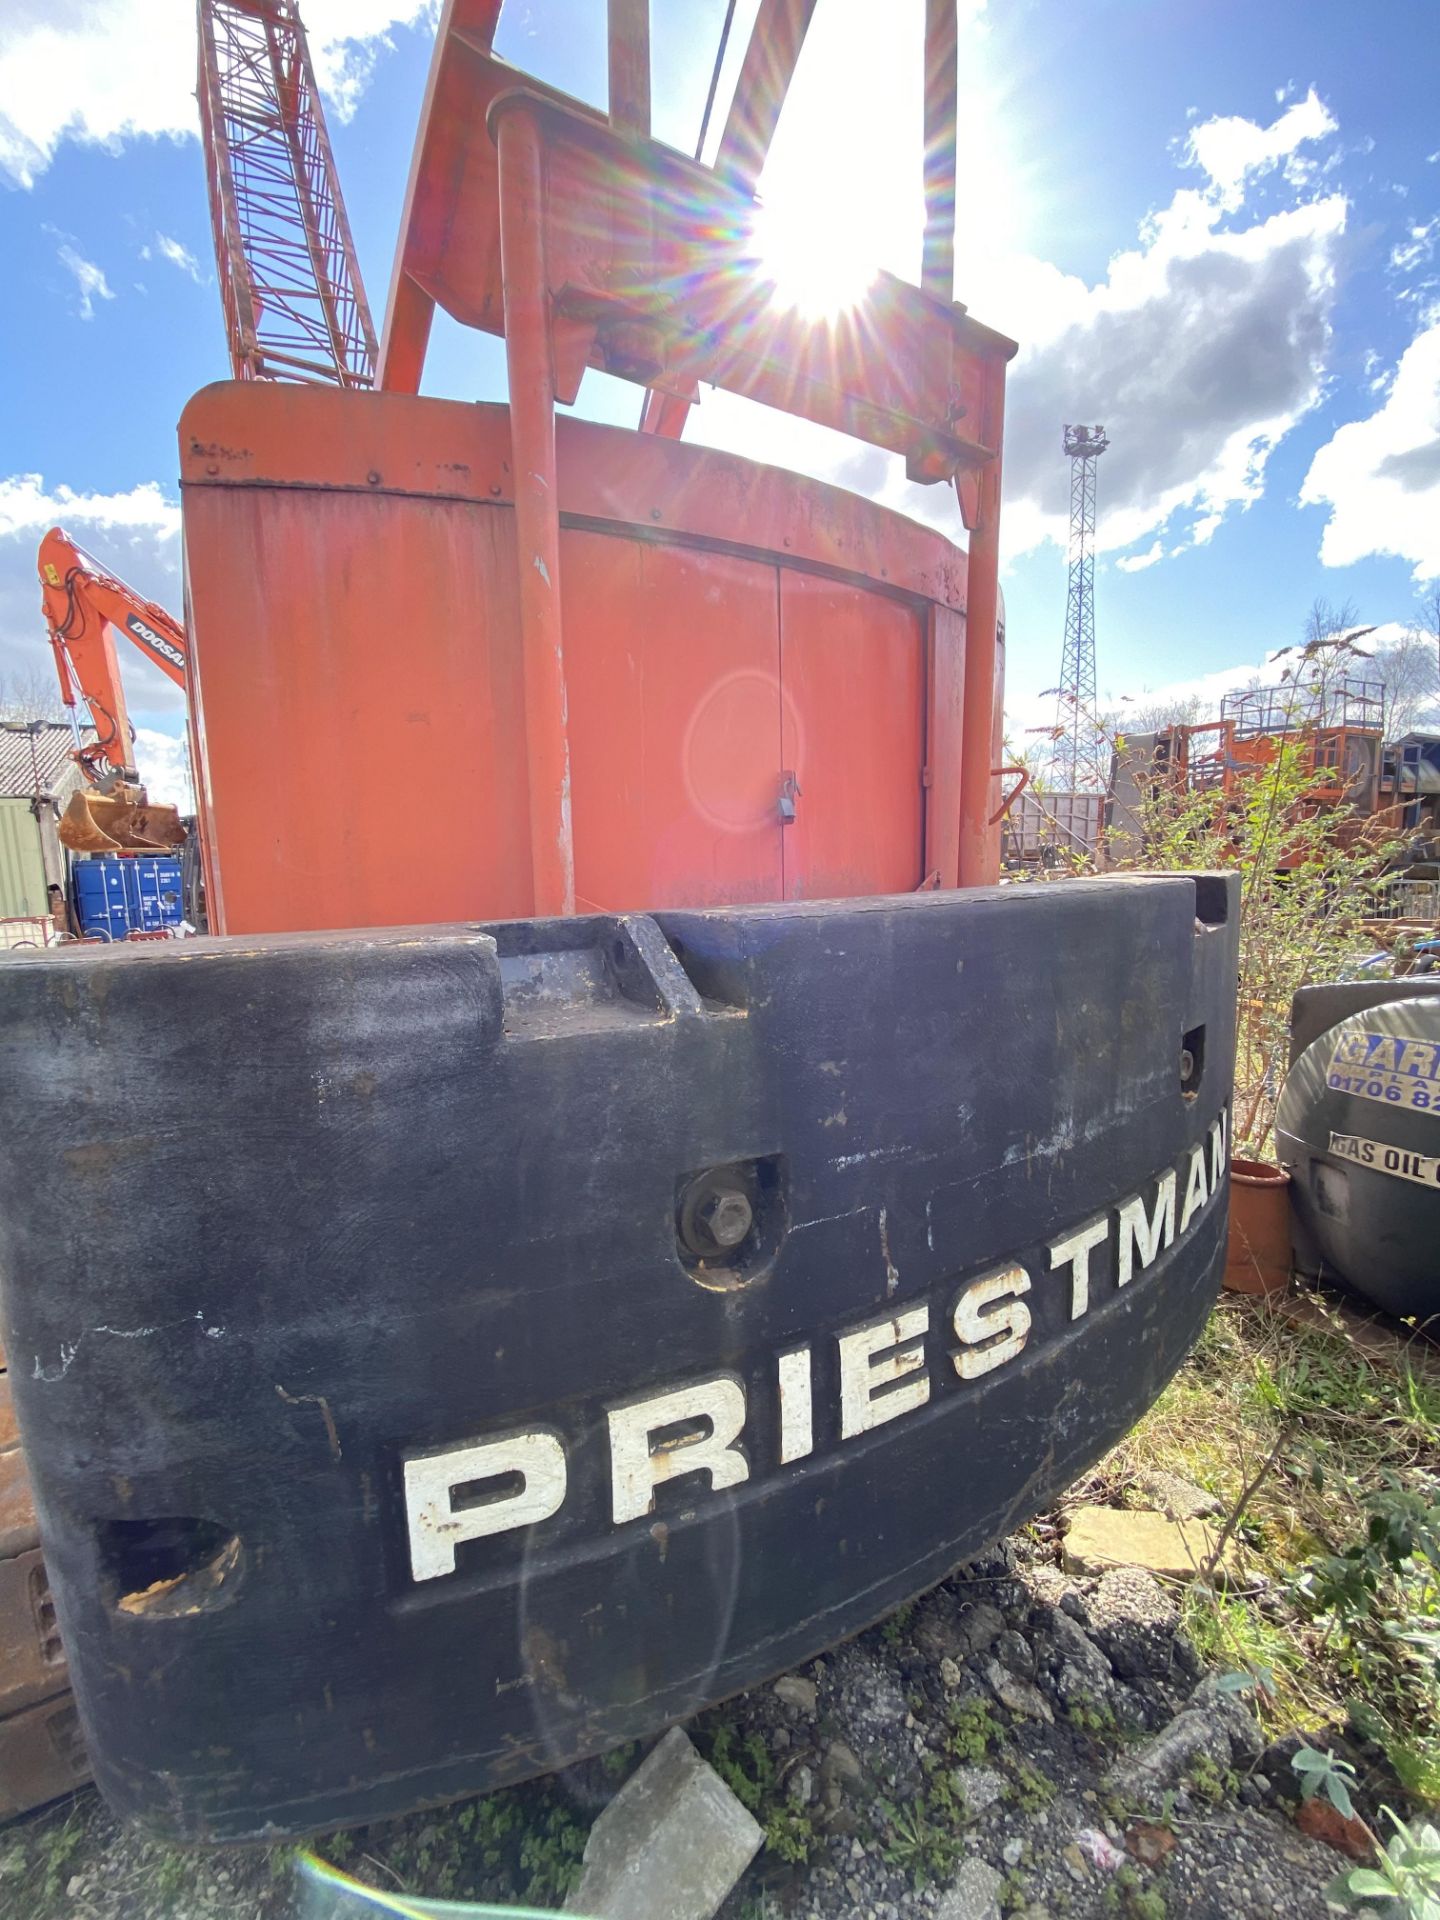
1075	715
295	307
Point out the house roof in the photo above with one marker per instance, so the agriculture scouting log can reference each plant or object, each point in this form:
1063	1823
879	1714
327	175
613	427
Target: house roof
46	752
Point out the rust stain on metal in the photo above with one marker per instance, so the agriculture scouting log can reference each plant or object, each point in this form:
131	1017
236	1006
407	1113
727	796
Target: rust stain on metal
188	1593
315	1400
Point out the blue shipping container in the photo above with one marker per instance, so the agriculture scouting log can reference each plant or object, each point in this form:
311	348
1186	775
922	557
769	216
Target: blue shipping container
117	895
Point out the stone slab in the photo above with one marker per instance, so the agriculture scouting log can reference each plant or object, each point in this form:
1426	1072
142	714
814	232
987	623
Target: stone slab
1104	1537
670	1845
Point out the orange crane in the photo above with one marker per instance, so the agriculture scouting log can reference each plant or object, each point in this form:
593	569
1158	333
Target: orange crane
597	1305
84	607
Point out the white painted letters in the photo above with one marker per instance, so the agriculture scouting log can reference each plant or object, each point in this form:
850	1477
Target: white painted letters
1197	1190
1076	1253
1218	1156
882	1371
712	1430
437	1526
988	1340
1144	1237
637	1467
797	1422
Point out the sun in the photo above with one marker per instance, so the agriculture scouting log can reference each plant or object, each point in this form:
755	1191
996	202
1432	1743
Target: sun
812	257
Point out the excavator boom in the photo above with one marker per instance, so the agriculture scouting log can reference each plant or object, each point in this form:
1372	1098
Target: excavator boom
85	607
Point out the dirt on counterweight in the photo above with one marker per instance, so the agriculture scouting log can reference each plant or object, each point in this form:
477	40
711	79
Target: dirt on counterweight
1019	1742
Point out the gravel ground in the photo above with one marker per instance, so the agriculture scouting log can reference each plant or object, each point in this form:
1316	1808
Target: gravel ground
1020	1742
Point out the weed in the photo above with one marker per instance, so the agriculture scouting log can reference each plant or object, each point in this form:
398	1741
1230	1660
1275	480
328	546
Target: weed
168	1874
1091	1716
1227	1631
1343	1523
973	1731
1029	1788
1210	1783
280	1861
790	1835
55	1847
748	1768
550	1856
616	1764
750	1772
1406	1872
917	1843
1323	1773
758	1906
498	1824
1013	1895
894	1629
1128	1895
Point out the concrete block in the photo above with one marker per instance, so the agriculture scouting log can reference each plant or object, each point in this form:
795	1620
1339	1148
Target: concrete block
974	1894
670	1845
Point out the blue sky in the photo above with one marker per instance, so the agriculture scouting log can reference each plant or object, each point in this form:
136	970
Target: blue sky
1214	227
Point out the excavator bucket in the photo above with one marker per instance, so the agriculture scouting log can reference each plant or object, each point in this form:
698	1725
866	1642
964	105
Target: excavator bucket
122	821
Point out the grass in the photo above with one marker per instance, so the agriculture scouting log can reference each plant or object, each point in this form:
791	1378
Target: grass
1339	1428
521	1843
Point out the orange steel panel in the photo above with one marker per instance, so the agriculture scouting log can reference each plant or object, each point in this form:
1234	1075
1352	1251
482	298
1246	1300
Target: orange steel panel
853	670
945	718
358	710
257	433
359	716
672	660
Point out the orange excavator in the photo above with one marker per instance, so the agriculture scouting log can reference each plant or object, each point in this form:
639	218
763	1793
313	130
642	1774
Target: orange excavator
85	607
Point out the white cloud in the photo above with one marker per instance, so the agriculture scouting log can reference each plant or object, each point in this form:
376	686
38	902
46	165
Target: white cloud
89	278
1233	150
106	71
1380	477
27	506
1138	562
177	254
1200	349
163	763
1417	246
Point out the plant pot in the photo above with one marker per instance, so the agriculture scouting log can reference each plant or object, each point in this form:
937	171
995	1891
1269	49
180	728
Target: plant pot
1257	1259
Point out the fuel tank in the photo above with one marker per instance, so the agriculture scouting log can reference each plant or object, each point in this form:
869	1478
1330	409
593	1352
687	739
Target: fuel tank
1358	1125
484	1344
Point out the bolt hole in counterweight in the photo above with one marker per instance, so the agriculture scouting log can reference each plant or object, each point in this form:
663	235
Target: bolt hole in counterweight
730	1221
168	1568
1192	1062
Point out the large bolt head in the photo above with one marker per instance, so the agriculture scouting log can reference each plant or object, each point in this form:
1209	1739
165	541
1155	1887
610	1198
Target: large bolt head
726	1217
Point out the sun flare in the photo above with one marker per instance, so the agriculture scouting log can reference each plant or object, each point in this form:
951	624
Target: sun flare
819	268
